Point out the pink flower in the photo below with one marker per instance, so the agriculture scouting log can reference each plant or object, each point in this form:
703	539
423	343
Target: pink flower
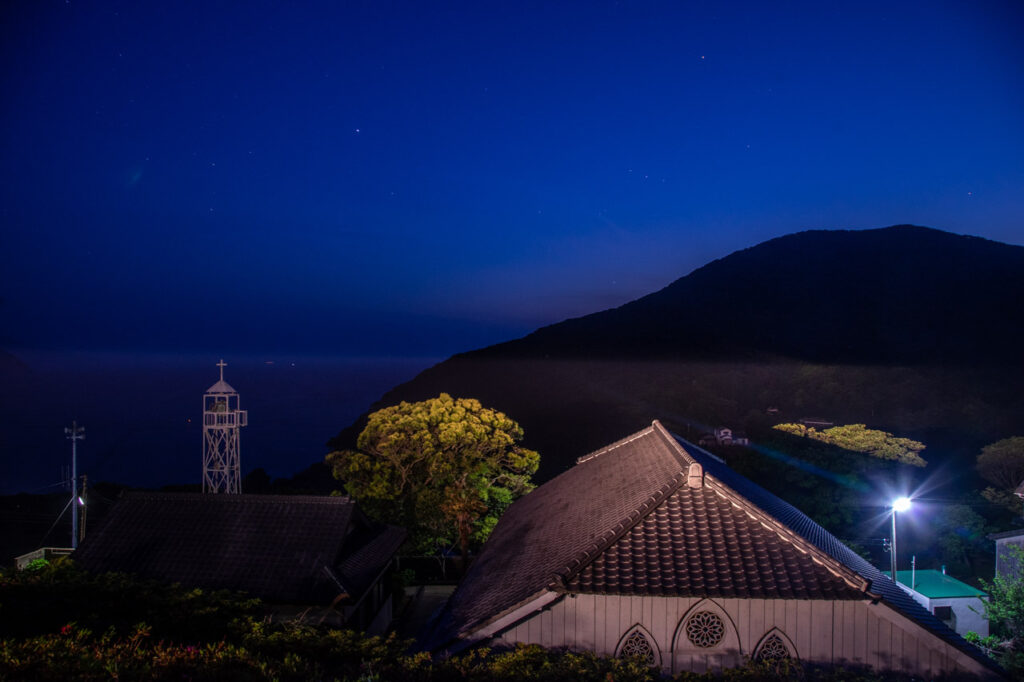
66	630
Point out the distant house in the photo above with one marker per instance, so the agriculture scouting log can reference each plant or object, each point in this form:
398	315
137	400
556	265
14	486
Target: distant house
723	435
740	438
293	552
955	603
46	553
1006	564
707	439
652	547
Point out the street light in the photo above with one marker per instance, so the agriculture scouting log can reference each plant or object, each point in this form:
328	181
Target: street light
900	504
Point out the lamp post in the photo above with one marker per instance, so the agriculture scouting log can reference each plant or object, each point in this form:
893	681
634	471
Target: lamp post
900	504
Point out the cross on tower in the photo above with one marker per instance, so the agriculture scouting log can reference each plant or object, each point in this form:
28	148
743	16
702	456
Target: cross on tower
222	420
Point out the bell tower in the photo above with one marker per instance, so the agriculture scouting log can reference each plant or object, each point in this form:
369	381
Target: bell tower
221	451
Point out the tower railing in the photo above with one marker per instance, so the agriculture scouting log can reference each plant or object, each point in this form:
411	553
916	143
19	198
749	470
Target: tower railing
226	419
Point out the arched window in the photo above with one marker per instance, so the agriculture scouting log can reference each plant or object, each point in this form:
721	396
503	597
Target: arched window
705	630
775	647
638	643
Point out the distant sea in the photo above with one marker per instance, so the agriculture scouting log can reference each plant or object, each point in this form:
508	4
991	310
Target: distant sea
142	413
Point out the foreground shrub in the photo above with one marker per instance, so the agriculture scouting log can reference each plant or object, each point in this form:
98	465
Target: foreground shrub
222	636
42	600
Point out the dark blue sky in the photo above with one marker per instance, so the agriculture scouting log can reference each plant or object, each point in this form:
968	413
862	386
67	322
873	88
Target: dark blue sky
406	178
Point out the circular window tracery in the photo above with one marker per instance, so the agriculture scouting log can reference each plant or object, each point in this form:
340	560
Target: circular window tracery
637	645
773	649
705	629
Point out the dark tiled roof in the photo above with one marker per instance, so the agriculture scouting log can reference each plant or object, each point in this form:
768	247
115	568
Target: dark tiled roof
557	524
366	553
803	526
607	524
698	542
274	547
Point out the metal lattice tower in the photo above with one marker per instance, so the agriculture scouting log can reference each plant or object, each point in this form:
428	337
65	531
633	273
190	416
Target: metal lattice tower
221	450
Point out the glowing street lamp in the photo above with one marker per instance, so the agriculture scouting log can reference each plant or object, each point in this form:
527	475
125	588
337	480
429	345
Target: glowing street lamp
900	504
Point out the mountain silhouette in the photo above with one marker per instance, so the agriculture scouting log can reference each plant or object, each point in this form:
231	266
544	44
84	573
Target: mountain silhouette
902	294
906	328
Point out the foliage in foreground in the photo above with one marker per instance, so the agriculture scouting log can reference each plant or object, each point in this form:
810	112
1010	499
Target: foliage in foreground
859	438
1005	612
235	642
297	652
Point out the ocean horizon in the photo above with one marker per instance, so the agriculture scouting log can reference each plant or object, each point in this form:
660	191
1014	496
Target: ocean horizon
142	412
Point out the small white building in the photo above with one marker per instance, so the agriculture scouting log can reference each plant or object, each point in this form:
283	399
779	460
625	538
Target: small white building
955	603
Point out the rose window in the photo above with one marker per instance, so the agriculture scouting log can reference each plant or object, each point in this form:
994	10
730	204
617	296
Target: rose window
637	645
705	629
773	649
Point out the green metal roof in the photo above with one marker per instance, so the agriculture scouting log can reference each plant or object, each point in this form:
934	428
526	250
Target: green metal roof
936	584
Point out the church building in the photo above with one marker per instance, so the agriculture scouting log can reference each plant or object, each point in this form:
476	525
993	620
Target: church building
654	547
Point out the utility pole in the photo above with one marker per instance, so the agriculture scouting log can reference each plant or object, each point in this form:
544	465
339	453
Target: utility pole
74	434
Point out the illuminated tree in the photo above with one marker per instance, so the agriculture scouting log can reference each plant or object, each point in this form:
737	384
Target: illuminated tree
444	468
859	438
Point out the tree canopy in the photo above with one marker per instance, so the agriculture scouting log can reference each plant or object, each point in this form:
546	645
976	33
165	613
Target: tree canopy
1004	609
859	438
1002	463
445	468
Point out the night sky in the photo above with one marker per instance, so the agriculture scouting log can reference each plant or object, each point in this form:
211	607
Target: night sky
423	178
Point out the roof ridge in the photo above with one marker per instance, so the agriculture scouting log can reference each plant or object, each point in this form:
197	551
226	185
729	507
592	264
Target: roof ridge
684	457
584	558
617	444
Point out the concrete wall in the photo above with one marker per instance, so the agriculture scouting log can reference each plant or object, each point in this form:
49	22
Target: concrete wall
970	615
967	620
1006	565
852	632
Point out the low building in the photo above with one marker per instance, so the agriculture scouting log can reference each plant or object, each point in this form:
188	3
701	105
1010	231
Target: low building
45	553
723	435
653	547
293	552
1007	564
955	603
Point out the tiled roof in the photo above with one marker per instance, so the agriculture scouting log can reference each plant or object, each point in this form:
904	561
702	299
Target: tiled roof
366	552
624	520
542	533
273	546
697	542
803	526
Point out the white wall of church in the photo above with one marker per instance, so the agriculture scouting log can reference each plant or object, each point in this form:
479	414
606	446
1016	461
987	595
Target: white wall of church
851	632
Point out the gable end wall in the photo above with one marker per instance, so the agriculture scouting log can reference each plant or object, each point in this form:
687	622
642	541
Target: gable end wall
829	632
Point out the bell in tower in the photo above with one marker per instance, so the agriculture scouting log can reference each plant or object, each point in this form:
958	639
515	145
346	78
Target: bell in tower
221	451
